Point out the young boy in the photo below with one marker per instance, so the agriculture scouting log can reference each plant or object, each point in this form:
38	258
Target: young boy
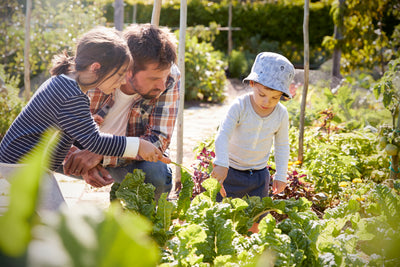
254	122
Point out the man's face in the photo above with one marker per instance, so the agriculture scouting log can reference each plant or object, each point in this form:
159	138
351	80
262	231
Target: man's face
149	83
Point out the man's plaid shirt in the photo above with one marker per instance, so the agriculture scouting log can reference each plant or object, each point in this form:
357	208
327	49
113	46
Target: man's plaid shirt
150	119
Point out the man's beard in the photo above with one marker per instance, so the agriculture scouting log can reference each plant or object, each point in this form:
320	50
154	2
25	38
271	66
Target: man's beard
148	96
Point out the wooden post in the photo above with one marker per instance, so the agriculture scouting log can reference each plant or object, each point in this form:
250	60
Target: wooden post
119	14
155	18
181	63
27	69
134	13
230	29
305	86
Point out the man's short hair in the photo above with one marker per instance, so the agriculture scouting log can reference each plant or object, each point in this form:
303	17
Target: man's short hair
151	44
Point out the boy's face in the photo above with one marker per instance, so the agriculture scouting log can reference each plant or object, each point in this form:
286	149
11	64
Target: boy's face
265	99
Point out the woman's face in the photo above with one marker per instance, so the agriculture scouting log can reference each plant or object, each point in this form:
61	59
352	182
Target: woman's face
110	83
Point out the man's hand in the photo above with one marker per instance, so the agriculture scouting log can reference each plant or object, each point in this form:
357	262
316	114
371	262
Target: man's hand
98	177
80	162
278	186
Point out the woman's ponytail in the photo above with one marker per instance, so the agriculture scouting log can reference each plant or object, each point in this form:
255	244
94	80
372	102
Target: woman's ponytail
62	64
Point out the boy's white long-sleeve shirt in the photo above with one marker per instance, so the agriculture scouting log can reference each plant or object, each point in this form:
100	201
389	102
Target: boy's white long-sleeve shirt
245	139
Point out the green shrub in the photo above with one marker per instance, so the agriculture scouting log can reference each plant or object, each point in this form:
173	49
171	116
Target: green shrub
10	104
332	158
238	65
205	71
274	27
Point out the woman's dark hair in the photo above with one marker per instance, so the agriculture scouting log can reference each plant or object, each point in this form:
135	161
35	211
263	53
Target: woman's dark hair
150	44
103	45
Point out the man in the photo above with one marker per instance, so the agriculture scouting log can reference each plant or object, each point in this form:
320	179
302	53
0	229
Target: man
145	106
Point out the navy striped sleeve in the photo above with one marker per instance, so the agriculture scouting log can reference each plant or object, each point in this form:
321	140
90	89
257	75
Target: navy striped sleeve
58	103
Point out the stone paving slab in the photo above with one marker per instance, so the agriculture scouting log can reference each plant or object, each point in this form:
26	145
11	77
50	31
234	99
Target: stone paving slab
77	192
4	192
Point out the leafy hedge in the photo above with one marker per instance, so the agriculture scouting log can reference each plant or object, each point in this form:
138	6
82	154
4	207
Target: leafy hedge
268	22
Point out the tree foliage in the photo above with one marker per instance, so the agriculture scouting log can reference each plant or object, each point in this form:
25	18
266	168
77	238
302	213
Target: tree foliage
389	88
55	26
370	33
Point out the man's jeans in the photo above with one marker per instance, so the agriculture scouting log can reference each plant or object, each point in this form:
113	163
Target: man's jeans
158	174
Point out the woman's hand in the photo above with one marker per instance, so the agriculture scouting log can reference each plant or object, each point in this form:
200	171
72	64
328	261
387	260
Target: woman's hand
149	152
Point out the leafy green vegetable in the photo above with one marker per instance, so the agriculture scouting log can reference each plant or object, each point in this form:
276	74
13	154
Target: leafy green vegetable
135	195
185	194
163	220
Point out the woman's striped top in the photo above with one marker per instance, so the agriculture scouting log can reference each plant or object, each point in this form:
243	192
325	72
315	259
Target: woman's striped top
58	103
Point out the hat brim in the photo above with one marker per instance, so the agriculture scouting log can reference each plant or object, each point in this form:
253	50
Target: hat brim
254	77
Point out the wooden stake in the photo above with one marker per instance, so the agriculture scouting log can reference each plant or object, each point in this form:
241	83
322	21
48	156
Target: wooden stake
181	63
305	86
27	69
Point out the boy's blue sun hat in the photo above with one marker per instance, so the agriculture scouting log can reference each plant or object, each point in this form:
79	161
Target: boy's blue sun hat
272	70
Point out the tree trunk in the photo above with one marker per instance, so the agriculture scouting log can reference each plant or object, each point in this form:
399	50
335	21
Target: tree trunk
305	86
27	70
119	14
394	170
337	52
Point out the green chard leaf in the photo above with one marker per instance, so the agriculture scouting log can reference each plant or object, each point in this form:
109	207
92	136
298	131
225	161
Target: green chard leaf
163	221
185	194
136	195
212	187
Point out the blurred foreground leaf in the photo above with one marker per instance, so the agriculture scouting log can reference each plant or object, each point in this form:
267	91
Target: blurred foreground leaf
16	224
